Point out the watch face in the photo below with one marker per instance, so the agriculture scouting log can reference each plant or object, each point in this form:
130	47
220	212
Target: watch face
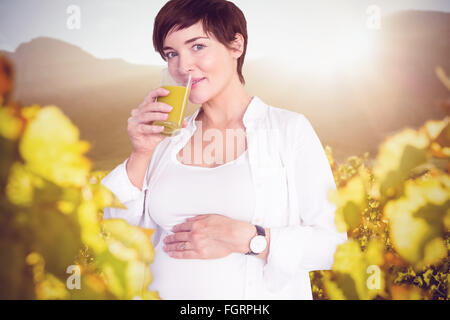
258	244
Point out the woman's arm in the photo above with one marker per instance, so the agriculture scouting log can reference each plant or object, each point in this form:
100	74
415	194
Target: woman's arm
312	244
132	198
246	237
136	168
212	236
119	183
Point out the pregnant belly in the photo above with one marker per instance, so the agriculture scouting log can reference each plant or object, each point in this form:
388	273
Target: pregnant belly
198	279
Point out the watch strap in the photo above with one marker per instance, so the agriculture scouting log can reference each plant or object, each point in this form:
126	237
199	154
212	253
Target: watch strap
260	230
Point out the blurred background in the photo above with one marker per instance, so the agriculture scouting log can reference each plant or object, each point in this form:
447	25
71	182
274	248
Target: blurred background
358	70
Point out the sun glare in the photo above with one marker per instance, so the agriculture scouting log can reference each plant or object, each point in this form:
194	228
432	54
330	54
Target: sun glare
346	50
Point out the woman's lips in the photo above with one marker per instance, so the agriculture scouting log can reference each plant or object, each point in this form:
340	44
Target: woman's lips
195	82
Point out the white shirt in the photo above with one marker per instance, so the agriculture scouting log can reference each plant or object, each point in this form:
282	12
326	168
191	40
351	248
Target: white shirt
227	190
292	178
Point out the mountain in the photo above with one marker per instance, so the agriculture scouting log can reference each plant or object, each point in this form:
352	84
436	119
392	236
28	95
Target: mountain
353	112
97	95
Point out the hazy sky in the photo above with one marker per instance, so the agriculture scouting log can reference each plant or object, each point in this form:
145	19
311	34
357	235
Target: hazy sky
123	28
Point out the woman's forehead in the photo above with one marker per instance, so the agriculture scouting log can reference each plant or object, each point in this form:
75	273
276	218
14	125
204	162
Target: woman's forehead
180	36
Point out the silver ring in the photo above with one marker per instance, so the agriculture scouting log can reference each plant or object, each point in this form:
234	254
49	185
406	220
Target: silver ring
182	246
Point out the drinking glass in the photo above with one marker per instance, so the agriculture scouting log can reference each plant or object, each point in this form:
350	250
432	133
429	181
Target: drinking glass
178	98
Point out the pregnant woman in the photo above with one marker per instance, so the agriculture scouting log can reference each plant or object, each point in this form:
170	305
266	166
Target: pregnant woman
238	199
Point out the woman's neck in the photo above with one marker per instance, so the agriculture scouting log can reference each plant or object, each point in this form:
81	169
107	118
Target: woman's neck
227	109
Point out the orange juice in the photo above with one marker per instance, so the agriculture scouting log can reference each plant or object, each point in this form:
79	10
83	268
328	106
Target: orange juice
178	99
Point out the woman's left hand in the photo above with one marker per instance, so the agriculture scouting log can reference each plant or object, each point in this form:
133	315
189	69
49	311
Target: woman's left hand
209	236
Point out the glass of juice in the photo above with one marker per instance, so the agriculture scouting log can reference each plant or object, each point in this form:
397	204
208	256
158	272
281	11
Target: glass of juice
177	98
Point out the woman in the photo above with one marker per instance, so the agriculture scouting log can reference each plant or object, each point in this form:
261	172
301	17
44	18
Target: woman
249	227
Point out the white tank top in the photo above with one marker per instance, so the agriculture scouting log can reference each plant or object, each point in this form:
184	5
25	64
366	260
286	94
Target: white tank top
184	191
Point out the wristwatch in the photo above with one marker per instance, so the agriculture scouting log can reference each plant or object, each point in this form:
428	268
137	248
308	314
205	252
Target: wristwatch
259	242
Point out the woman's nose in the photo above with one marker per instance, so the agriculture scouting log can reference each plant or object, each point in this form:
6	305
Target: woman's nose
185	65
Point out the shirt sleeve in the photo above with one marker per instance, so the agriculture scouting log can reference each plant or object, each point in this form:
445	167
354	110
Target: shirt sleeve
131	197
311	245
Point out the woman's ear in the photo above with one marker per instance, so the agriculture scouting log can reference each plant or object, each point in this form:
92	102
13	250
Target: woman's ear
238	45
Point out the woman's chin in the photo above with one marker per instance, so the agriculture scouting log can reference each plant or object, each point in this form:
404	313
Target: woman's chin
196	99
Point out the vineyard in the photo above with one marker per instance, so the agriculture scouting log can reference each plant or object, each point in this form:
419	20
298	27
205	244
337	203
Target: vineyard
397	217
54	244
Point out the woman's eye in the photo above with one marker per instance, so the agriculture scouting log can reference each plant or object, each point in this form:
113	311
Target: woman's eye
198	46
170	55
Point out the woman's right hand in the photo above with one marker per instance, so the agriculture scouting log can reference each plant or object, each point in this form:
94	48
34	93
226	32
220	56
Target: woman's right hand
145	136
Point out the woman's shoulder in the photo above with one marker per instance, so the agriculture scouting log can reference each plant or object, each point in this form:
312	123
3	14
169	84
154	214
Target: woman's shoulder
294	130
293	121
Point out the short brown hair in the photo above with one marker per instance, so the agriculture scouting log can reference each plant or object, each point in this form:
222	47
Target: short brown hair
221	18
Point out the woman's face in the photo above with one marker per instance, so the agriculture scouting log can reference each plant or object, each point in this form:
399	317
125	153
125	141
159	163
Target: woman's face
192	50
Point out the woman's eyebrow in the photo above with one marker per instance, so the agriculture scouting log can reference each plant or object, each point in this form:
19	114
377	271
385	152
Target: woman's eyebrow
186	42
